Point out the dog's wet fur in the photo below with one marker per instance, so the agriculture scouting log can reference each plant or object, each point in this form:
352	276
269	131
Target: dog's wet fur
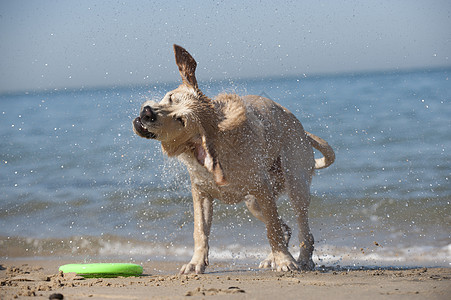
236	149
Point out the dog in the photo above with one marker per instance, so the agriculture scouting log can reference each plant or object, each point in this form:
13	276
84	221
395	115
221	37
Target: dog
237	149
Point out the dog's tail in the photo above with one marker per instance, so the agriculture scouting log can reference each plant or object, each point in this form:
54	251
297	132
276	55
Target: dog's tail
324	148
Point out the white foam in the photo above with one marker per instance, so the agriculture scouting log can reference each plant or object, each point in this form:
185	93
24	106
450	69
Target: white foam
323	255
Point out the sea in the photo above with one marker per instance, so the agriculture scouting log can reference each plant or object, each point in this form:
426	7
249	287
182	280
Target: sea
77	183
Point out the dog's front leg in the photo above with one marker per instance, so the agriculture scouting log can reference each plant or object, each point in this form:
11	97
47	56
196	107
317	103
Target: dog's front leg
203	211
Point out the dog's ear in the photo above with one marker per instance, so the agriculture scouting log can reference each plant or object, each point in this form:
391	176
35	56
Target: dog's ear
206	155
187	65
212	163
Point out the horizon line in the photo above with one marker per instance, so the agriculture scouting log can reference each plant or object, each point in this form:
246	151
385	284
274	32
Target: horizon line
84	88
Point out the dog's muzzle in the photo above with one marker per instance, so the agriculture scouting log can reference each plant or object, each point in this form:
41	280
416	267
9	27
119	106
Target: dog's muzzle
148	115
141	130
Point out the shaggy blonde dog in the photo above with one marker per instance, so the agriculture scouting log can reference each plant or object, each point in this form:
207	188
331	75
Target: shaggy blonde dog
237	148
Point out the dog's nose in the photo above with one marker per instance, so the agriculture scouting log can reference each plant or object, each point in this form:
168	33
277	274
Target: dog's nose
148	114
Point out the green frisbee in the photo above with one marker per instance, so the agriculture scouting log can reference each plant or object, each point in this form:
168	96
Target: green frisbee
103	269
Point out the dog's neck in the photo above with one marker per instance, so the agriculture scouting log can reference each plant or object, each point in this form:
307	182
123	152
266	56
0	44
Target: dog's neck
174	148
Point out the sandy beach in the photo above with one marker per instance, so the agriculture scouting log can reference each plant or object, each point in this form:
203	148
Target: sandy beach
21	279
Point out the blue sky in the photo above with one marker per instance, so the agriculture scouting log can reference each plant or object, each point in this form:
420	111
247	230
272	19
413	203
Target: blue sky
46	45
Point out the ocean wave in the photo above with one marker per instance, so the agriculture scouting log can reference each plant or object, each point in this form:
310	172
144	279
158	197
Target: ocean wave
107	247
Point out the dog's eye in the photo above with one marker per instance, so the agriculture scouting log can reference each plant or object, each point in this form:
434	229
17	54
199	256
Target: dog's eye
170	99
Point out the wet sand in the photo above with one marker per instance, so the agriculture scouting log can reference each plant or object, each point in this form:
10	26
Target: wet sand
20	279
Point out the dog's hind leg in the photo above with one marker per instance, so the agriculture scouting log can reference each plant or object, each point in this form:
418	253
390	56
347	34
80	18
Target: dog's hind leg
298	178
283	260
255	209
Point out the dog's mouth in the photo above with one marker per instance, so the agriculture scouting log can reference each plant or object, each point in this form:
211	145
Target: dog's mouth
141	130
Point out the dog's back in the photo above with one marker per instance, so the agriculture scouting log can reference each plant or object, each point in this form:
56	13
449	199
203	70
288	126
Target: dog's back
266	131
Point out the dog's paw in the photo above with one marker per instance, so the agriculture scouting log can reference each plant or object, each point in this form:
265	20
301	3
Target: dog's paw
268	262
190	268
285	263
198	263
281	262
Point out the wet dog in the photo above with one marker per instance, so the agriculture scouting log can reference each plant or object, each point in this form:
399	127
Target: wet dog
237	149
